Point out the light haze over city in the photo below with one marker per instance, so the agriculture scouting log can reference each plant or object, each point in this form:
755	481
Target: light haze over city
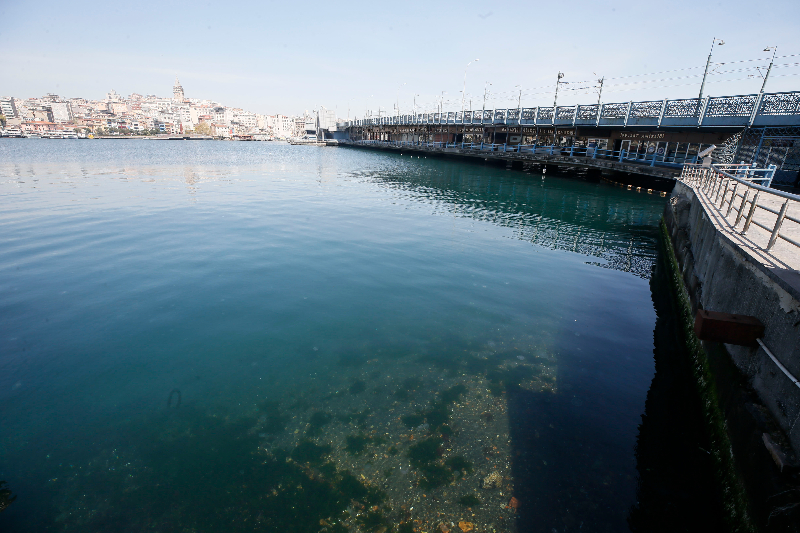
359	57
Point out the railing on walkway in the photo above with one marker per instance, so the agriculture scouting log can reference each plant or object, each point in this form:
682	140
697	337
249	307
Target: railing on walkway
735	186
664	159
766	109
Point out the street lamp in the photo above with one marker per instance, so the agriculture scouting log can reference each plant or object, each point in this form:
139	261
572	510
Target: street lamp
774	50
600	92
715	41
398	99
555	101
485	88
464	90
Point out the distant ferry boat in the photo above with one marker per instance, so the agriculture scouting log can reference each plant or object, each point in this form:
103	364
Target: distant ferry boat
67	133
12	132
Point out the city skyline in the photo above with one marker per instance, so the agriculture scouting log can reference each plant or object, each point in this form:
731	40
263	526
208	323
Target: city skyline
139	114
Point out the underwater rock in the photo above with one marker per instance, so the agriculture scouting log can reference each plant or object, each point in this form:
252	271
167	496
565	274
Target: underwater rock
5	497
493	480
513	503
466	526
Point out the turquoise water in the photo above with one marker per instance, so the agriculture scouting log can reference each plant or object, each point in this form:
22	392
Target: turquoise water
217	336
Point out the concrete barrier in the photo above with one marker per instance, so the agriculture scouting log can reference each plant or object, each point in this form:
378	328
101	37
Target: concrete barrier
721	272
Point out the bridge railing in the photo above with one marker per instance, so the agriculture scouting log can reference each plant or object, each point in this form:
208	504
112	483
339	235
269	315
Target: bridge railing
768	109
747	202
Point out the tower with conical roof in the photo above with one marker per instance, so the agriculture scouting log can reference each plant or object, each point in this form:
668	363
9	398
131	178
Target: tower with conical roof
177	91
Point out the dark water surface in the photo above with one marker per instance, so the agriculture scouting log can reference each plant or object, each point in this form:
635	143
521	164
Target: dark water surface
258	337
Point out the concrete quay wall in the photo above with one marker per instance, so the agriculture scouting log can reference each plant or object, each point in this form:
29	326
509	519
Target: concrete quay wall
720	274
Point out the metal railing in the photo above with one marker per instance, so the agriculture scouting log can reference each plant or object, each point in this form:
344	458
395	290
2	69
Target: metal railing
735	186
766	109
664	159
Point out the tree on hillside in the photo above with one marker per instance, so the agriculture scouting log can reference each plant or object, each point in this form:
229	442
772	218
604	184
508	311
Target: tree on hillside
2	121
204	128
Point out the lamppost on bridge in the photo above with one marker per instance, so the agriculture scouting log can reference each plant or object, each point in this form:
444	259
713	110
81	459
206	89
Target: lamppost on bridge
485	91
715	41
464	90
774	50
555	105
398	99
600	92
555	100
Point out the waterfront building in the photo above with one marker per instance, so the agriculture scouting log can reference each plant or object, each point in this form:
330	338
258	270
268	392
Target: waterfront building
62	111
223	130
43	113
7	107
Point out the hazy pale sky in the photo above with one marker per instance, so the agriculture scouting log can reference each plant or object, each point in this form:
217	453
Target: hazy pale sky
285	57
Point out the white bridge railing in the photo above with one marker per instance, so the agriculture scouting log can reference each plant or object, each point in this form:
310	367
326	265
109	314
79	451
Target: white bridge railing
733	188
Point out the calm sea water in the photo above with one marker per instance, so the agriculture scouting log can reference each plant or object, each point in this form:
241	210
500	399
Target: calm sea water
259	337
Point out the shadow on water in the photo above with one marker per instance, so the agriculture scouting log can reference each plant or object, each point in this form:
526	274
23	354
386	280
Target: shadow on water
677	489
580	489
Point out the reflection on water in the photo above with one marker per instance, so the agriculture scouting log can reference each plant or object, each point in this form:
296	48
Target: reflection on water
359	342
596	221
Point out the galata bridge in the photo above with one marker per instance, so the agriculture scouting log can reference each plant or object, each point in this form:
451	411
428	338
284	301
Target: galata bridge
649	138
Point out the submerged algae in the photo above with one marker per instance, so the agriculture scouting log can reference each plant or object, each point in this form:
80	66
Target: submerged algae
736	499
459	465
310	452
209	474
469	500
317	421
357	444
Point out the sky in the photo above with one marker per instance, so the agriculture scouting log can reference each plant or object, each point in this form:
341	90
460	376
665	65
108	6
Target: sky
364	57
